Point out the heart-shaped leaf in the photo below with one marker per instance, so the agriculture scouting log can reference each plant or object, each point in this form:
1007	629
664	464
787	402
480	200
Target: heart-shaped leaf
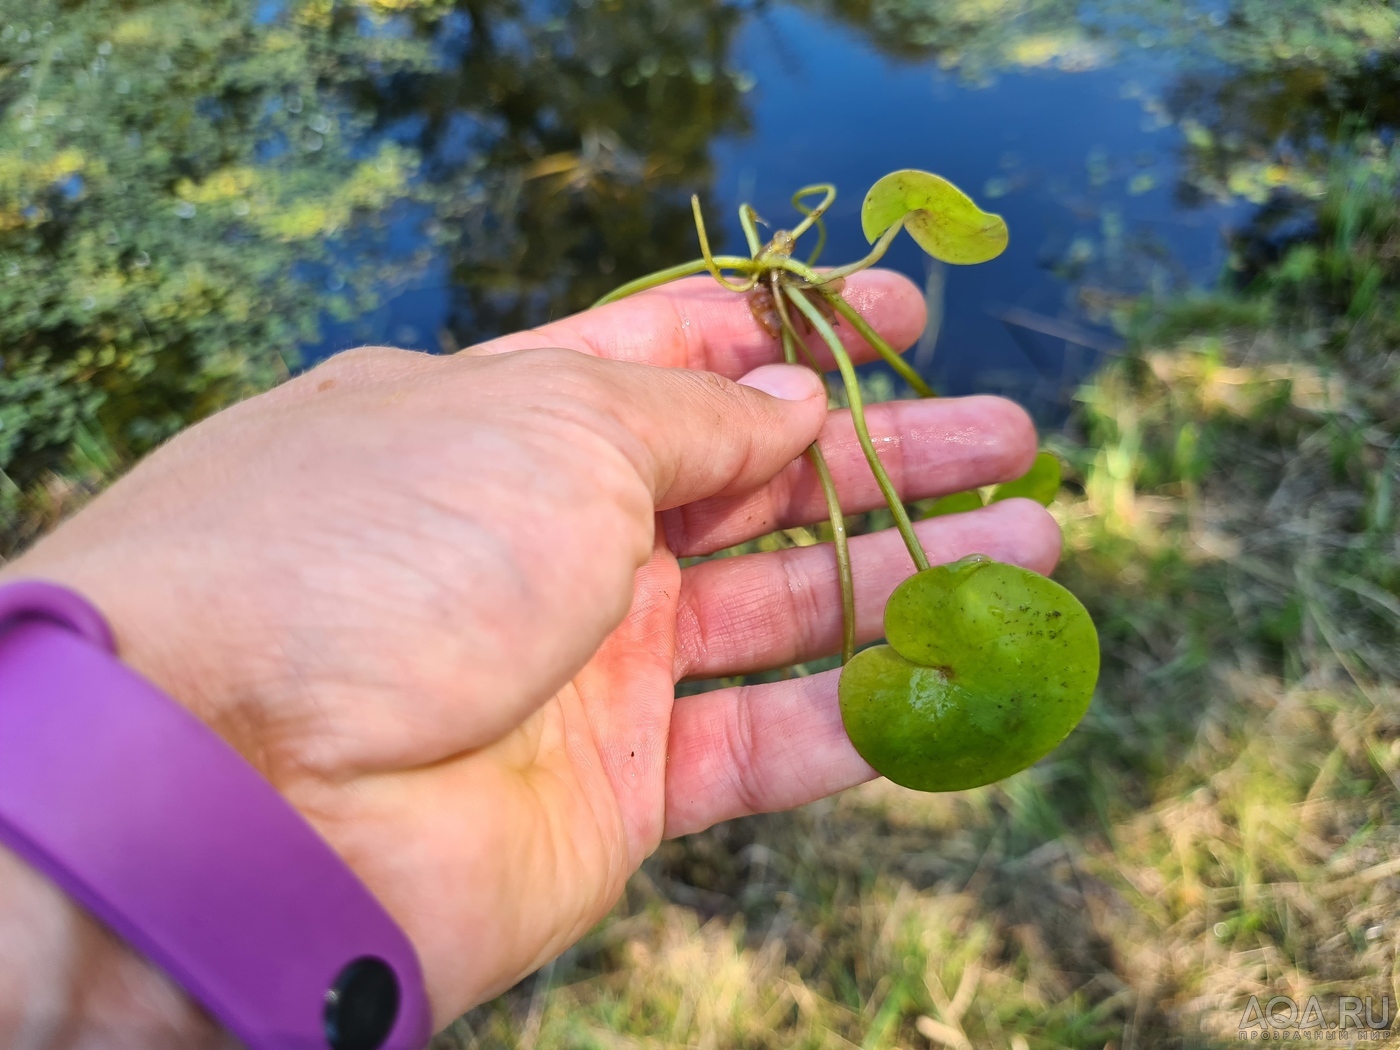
1041	483
988	667
940	217
956	504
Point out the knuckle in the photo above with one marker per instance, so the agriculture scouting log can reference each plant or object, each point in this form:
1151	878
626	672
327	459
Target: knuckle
368	364
745	761
363	356
552	358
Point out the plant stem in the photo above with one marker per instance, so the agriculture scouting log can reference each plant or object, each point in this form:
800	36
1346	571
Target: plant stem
747	219
876	254
848	376
789	329
815	213
843	554
822	282
868	333
672	273
816	253
710	263
839	539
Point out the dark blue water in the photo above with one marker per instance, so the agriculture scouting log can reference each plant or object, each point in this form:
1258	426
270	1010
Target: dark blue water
1080	162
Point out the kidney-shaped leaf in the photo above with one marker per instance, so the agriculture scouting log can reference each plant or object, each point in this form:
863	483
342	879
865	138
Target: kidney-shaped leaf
940	217
988	668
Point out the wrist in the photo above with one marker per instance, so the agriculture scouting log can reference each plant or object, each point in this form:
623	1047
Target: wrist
149	638
67	982
146	818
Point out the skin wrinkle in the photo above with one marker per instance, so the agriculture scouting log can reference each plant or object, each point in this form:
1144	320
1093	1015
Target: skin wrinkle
542	770
741	750
552	845
781	749
802	601
730	620
691	649
612	818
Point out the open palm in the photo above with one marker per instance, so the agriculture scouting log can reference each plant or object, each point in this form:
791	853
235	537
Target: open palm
438	600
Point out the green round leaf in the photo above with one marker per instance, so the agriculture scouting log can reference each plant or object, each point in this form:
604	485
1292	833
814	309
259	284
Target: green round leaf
940	217
1041	483
988	668
956	504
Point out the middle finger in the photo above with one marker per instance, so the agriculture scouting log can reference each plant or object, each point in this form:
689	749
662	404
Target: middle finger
760	611
929	448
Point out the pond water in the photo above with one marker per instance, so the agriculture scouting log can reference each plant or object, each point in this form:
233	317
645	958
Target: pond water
1077	151
197	198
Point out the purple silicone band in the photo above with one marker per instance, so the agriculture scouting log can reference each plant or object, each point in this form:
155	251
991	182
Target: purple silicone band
158	827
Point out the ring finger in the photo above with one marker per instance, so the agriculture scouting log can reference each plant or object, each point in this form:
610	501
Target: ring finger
760	611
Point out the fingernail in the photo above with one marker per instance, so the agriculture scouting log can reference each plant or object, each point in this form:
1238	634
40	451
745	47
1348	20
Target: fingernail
789	382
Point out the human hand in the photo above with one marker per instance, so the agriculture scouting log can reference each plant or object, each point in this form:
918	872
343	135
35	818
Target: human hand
429	598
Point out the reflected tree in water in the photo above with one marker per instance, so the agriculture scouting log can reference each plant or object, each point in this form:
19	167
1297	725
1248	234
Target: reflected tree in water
187	190
563	142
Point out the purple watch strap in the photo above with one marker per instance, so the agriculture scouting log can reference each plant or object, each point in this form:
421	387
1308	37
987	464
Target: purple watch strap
158	827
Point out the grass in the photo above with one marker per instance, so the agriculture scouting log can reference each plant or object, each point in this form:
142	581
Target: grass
1225	824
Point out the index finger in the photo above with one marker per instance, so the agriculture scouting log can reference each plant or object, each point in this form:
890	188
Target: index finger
694	323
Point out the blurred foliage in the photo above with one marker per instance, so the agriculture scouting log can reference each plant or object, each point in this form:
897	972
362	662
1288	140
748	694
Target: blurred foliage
982	37
188	190
1261	89
165	169
588	125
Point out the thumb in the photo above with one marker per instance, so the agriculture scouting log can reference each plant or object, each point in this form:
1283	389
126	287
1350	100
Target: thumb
703	435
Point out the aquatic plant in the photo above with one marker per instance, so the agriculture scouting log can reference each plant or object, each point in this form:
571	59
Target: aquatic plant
987	666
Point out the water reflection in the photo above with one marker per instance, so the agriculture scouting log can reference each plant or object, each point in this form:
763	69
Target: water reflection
196	197
583	127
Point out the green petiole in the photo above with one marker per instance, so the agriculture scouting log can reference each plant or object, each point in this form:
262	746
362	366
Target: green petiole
848	376
868	333
813	215
839	539
710	261
675	273
748	219
843	554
